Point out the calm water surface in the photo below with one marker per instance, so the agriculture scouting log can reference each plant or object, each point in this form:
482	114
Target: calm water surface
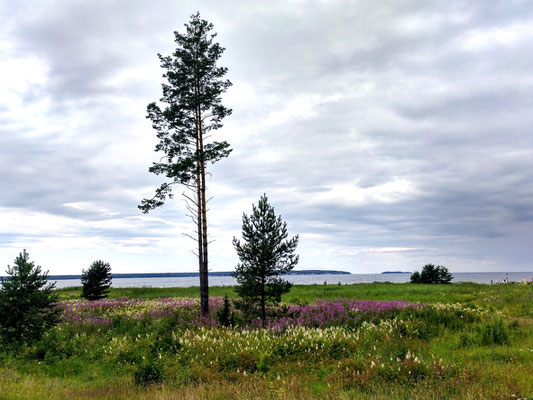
479	277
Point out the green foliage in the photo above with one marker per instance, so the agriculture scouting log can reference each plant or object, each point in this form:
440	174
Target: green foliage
265	254
148	373
495	332
55	345
247	361
264	363
432	274
415	277
490	333
225	316
27	306
165	343
96	281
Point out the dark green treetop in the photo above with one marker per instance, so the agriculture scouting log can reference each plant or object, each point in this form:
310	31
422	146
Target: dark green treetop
96	281
27	302
192	94
265	253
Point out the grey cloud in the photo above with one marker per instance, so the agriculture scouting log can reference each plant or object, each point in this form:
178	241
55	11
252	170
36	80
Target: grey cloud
399	97
484	103
86	43
42	174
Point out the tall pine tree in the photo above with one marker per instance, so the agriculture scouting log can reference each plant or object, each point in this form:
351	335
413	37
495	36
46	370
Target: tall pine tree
192	94
265	254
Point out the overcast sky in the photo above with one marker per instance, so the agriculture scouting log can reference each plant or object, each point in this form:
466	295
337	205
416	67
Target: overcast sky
388	134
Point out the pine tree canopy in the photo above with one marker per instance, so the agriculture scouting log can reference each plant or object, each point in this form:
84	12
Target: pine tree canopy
192	94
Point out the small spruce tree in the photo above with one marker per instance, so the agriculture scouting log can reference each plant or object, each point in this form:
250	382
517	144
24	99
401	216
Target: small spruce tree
96	281
265	254
225	316
27	303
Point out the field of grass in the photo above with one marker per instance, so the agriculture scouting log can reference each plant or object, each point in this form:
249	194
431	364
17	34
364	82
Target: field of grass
459	341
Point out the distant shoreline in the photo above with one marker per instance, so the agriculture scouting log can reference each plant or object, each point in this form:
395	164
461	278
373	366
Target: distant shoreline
196	274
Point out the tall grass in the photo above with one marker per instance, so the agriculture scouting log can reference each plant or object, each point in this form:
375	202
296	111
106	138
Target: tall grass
466	341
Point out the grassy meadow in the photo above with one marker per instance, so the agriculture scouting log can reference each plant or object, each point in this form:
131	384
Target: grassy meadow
364	341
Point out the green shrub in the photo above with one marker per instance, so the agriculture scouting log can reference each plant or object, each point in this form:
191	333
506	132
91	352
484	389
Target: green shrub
432	274
495	332
96	281
465	340
415	277
247	361
166	344
336	350
148	373
263	365
490	333
52	346
129	356
227	362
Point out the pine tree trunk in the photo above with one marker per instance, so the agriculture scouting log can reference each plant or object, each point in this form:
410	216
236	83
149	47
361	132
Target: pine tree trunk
263	308
204	289
202	215
204	283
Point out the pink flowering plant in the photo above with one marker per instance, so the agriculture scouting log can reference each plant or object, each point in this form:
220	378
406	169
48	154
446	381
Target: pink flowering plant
185	312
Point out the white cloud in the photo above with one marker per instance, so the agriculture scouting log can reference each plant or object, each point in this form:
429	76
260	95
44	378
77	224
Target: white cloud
350	194
484	39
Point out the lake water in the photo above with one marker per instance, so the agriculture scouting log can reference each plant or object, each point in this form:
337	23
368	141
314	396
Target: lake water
479	277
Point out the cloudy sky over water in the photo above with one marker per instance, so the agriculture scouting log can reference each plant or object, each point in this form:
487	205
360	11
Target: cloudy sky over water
387	134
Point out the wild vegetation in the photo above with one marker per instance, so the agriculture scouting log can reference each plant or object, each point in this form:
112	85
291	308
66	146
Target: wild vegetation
369	341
